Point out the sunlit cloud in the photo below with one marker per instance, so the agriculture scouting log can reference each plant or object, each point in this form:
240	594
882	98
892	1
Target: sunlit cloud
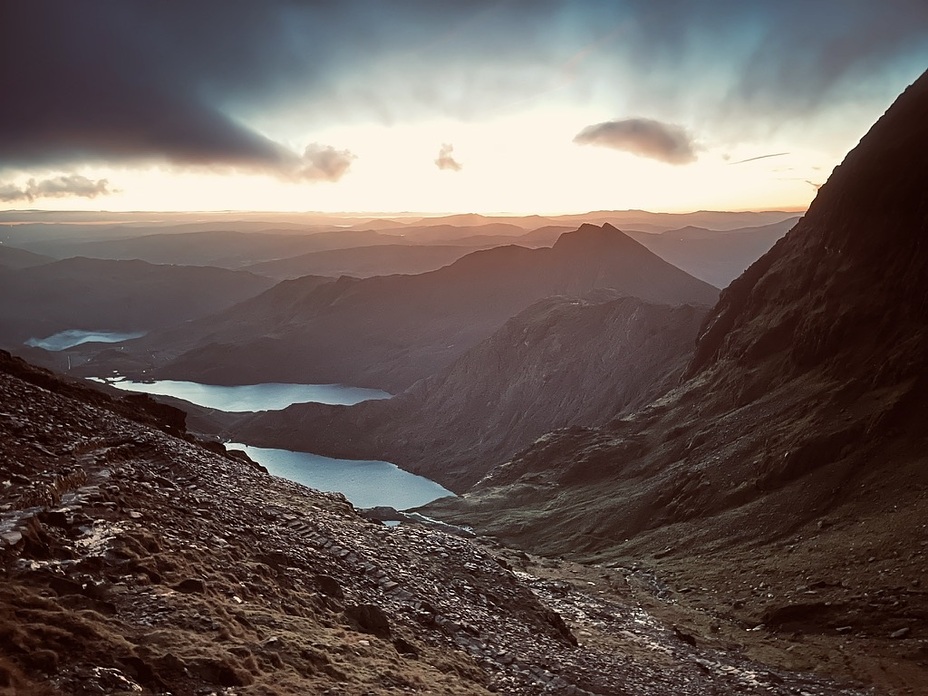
64	186
446	159
644	137
323	163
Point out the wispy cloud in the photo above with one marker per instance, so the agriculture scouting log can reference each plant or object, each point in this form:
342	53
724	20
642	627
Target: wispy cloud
64	186
644	137
759	157
446	159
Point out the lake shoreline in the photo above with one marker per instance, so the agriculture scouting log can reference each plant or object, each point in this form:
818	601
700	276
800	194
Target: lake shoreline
365	483
245	398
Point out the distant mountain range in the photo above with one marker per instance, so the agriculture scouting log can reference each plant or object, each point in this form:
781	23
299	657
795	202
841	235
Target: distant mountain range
11	257
388	332
282	249
717	257
222	248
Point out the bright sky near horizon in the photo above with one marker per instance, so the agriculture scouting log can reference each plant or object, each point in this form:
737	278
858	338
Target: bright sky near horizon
523	107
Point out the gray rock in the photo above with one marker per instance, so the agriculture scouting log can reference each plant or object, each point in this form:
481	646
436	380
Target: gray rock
191	586
369	618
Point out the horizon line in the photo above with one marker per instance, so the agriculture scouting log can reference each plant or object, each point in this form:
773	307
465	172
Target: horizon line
398	213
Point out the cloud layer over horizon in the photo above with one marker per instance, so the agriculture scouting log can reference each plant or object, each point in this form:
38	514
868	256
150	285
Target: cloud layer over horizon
56	187
236	86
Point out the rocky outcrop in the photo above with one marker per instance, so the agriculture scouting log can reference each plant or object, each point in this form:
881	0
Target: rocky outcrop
560	362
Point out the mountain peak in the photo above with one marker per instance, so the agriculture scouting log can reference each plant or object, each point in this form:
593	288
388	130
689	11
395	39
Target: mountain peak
589	235
885	173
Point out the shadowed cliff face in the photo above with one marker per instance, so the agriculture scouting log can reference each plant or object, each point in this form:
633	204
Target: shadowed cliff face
846	287
803	411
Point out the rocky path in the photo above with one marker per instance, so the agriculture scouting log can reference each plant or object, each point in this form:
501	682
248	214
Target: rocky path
134	561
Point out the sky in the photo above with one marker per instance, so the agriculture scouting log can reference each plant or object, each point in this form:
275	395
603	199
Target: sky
519	106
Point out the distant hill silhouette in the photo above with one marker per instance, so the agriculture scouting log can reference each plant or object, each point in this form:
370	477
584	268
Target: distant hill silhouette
390	331
717	257
11	257
364	262
224	248
95	294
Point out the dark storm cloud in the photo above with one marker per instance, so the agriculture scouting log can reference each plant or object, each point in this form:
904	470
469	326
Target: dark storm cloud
64	186
95	82
126	81
644	137
809	50
110	81
445	160
781	60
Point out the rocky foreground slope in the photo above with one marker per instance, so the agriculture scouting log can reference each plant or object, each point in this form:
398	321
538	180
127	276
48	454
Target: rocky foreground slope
795	453
135	560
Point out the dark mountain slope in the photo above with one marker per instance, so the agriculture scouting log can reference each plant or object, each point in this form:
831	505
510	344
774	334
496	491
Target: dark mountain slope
364	262
223	248
558	363
95	294
390	331
441	231
11	257
797	447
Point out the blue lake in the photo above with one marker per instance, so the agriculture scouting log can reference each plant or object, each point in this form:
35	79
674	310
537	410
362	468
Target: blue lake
364	483
252	397
75	337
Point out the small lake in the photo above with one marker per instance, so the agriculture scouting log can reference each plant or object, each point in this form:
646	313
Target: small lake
251	397
364	483
75	337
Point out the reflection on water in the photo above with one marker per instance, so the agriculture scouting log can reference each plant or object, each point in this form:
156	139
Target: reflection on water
252	397
75	337
364	483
